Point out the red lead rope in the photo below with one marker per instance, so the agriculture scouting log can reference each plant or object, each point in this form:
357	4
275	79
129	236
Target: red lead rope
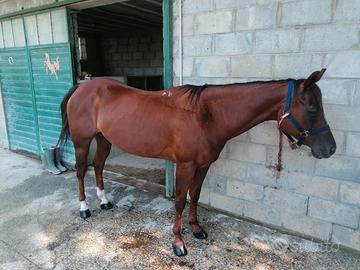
278	166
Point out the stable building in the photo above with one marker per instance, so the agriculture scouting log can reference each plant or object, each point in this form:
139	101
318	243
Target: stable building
48	46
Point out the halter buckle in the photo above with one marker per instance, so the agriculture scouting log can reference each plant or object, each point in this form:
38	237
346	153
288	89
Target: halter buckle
305	133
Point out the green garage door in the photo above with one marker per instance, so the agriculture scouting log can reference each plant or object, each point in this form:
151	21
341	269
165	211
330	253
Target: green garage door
18	100
35	79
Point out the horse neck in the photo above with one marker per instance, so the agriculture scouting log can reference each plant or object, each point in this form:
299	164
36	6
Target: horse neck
237	108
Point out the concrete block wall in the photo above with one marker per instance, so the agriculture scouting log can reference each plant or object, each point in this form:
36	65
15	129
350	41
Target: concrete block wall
227	41
133	54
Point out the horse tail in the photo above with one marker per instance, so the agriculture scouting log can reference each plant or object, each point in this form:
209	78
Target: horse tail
65	133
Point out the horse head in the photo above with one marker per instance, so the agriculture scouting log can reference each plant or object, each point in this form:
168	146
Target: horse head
303	121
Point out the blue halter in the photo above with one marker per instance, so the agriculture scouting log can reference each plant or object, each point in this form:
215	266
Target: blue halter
303	132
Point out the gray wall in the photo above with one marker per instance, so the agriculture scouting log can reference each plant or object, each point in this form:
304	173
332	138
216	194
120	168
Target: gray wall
234	41
133	54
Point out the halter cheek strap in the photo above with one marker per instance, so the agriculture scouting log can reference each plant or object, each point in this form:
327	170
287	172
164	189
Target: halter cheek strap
302	132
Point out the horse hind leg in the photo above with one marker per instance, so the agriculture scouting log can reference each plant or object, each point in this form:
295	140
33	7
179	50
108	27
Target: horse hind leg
81	152
102	152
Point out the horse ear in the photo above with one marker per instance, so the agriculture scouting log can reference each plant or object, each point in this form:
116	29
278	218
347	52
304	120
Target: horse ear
314	77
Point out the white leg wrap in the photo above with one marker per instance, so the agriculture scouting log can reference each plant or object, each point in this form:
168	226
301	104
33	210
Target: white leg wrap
101	195
83	206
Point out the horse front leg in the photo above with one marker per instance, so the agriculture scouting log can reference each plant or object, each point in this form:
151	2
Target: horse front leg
194	193
184	176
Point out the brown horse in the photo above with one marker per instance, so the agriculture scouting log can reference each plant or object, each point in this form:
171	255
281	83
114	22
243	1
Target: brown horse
188	125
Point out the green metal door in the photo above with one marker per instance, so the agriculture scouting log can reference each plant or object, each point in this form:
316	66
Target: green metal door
18	100
34	78
50	85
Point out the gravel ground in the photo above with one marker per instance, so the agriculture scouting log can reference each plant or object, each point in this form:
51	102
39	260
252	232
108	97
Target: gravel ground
40	229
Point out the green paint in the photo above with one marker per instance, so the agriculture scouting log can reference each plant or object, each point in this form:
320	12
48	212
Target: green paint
33	98
167	78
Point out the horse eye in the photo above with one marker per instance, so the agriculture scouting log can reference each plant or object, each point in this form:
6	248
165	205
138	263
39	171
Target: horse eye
311	109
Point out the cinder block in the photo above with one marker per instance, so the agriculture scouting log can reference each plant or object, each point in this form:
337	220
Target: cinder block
296	65
245	191
343	118
213	66
350	193
346	236
187	25
218	183
353	144
262	175
204	196
293	160
187	66
229	168
256	17
356	95
277	41
347	10
336	91
305	12
340	167
331	37
262	213
251	66
226	203
343	64
286	201
245	137
190	6
334	212
197	46
321	187
214	22
265	133
339	137
233	43
222	4
247	152
307	225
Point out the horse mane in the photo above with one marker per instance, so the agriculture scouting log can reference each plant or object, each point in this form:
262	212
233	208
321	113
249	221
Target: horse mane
195	91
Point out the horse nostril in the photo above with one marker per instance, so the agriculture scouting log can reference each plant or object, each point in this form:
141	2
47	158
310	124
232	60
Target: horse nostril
332	150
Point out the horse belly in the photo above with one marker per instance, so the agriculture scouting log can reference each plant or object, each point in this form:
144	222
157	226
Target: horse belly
139	135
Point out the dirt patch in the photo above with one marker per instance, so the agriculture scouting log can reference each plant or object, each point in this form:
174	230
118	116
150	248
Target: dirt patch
156	176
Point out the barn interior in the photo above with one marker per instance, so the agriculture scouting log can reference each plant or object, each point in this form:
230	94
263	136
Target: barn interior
122	40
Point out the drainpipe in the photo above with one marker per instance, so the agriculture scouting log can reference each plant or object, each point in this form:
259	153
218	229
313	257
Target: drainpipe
180	45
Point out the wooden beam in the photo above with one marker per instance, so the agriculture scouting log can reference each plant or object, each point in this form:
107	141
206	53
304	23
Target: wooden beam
159	14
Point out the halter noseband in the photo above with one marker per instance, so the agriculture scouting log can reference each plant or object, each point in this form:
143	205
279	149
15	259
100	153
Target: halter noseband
303	132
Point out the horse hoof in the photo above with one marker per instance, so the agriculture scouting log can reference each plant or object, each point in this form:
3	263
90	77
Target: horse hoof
85	214
180	251
106	206
201	234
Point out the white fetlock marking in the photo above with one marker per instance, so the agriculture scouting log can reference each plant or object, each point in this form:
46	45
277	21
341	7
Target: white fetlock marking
83	206
101	195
